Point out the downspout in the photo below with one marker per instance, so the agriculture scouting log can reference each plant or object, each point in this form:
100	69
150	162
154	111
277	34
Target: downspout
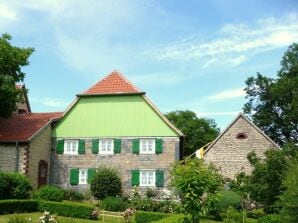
17	156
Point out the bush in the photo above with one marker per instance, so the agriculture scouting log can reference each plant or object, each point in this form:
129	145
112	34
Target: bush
256	213
231	215
146	217
226	199
71	195
151	193
14	186
271	218
106	183
155	206
17	206
176	218
66	209
49	193
113	204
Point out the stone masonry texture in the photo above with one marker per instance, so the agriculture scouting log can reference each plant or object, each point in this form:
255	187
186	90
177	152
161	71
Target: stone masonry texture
229	154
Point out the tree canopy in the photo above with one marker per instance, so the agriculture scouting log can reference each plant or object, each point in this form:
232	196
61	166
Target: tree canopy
197	131
273	103
12	59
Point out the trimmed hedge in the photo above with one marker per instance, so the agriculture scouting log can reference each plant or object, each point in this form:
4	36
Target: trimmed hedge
17	206
113	204
49	193
174	218
146	217
67	209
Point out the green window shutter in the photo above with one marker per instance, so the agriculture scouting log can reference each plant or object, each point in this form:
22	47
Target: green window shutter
81	146
135	178
74	176
60	146
158	146
91	173
159	178
95	146
117	145
136	146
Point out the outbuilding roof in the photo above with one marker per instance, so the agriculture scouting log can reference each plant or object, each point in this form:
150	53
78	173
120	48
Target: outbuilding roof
23	127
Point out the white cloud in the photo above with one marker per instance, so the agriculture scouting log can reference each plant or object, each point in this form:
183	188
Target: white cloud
6	13
234	93
51	102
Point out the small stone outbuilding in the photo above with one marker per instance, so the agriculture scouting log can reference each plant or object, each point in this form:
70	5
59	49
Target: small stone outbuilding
228	152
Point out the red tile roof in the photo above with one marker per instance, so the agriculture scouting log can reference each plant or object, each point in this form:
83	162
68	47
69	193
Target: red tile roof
114	83
21	127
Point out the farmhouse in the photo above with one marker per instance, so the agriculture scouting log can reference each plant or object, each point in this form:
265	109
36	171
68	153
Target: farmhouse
228	152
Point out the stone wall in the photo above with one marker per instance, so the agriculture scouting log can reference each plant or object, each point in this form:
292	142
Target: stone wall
229	154
8	156
40	149
124	162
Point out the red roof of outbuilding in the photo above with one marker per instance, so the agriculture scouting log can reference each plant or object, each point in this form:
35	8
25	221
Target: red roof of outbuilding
21	127
114	83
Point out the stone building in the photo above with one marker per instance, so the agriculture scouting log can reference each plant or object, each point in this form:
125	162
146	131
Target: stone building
228	152
25	142
113	124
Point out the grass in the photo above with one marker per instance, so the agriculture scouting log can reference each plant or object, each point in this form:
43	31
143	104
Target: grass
35	219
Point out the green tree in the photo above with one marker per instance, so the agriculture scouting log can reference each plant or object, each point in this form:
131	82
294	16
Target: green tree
197	131
289	199
12	59
197	183
273	103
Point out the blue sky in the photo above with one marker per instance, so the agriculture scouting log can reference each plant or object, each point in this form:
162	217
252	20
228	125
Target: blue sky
192	55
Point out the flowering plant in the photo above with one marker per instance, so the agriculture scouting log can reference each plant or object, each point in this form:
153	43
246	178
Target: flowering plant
47	218
128	213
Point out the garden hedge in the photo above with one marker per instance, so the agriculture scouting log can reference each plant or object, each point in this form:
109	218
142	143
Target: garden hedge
66	209
174	218
18	206
146	217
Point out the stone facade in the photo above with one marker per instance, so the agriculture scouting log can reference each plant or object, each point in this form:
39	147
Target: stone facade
125	162
229	151
8	158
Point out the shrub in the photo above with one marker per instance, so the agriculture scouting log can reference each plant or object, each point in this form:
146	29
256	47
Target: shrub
146	217
256	213
155	206
17	206
67	209
151	193
113	204
176	218
106	183
49	193
231	215
72	195
14	186
270	218
225	199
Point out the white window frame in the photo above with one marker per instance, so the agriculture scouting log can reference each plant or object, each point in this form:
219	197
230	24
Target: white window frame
83	180
71	142
145	173
144	146
103	143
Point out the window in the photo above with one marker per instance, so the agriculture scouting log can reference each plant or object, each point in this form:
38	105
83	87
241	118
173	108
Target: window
147	178
83	176
241	136
147	146
106	146
71	147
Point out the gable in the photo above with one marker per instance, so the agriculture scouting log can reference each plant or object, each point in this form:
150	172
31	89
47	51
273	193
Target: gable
112	116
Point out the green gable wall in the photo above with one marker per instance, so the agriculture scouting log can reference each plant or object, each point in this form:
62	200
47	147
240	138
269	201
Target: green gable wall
112	116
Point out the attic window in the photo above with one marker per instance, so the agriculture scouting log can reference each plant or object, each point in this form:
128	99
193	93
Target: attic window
22	111
241	136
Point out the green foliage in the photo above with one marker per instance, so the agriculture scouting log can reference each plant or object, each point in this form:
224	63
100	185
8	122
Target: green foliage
18	219
231	215
289	199
12	59
49	193
197	131
151	193
106	183
113	204
155	206
256	213
72	195
66	209
273	103
225	199
174	218
14	186
197	183
146	217
13	206
270	218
